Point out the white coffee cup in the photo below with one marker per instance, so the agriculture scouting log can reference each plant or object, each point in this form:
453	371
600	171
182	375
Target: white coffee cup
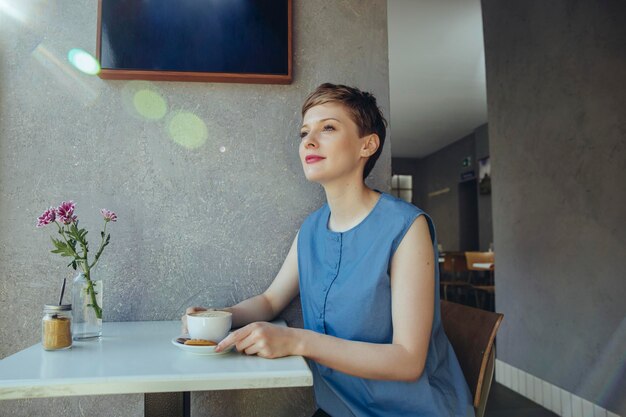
209	325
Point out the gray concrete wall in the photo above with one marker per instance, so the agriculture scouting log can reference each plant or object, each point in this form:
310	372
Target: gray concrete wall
443	169
556	77
196	226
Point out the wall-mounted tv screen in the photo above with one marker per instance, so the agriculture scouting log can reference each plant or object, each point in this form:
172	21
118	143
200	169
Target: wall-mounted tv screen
247	41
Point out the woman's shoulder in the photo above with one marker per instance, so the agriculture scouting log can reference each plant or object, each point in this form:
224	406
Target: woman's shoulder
400	216
393	205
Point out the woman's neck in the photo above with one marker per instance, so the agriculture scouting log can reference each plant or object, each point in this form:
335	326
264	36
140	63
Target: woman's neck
349	204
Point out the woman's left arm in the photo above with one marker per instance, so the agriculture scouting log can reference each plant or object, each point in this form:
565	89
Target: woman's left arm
412	304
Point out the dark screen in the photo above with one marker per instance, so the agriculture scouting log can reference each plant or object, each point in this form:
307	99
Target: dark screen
233	36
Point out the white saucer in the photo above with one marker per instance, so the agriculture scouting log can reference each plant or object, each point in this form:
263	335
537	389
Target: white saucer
200	350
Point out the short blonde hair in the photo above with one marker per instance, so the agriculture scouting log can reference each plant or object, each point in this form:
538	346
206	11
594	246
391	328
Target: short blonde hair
362	108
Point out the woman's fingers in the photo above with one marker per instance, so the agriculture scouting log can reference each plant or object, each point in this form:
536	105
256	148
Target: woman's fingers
191	310
247	345
183	319
260	338
251	340
234	338
252	350
229	340
251	344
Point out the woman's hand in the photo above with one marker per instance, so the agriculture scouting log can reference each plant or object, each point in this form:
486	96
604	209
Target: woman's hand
190	310
263	339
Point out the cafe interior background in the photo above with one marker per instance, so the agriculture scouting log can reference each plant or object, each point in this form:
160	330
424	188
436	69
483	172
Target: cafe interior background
207	212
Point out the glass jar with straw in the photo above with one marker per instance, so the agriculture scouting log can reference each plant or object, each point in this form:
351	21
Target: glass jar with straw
56	325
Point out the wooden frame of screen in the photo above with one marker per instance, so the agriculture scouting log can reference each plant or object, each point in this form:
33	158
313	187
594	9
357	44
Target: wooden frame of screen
217	77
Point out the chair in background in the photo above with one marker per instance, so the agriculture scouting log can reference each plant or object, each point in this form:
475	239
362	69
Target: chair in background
452	278
486	262
472	333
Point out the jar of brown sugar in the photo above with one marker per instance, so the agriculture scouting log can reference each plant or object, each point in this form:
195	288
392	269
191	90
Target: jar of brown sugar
56	327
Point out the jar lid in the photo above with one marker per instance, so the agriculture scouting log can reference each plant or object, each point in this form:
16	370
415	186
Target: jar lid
56	307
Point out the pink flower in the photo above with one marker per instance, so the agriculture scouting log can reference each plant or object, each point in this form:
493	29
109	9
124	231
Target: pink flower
65	212
47	217
108	215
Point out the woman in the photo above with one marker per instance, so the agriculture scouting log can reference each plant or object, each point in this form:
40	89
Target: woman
365	265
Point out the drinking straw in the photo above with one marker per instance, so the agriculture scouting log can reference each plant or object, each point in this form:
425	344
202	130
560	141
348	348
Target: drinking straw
62	291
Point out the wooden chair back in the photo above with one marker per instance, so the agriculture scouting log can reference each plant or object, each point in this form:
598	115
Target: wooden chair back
447	267
472	258
472	332
454	263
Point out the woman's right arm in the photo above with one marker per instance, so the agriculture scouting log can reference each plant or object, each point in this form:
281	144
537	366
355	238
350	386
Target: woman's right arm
266	306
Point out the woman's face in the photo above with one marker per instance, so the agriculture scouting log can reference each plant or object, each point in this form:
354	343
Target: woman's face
330	146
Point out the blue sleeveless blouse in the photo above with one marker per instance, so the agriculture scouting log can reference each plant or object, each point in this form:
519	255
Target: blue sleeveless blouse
345	292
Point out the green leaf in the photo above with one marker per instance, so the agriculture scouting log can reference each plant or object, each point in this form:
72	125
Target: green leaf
80	233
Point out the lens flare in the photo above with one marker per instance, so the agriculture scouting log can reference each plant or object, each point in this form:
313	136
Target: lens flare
188	130
15	12
144	100
85	89
150	104
83	61
608	368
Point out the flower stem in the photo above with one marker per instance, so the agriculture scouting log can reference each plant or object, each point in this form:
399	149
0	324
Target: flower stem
102	245
92	294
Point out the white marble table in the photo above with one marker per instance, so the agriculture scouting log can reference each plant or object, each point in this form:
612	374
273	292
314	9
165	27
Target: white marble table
138	357
483	265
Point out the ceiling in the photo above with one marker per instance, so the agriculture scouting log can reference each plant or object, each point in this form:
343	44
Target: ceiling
436	74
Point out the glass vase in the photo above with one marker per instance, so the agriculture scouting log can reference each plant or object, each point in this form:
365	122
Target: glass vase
87	315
